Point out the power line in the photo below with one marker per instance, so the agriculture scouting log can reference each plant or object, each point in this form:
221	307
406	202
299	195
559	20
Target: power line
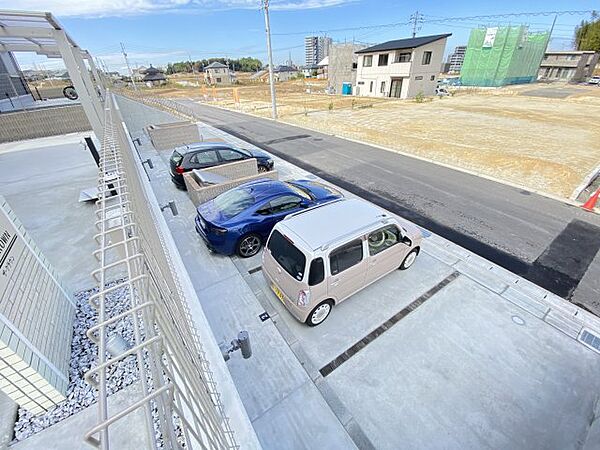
434	19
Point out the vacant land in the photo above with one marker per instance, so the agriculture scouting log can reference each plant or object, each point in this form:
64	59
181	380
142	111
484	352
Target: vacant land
542	137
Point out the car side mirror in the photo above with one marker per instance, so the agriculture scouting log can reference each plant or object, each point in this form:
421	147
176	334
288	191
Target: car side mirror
304	204
406	240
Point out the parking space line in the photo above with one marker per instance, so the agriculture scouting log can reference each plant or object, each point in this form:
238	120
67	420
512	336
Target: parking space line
345	356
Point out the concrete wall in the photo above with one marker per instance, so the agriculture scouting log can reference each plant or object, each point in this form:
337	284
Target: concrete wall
167	136
41	122
340	71
36	321
416	77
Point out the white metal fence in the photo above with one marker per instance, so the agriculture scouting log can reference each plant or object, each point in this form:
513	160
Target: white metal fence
177	391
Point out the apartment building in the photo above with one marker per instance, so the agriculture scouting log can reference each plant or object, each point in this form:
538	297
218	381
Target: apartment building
316	48
456	59
572	66
402	68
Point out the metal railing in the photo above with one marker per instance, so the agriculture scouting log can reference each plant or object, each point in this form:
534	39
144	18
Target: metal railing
176	388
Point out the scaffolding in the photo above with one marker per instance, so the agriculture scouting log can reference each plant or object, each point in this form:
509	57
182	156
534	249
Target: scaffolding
500	56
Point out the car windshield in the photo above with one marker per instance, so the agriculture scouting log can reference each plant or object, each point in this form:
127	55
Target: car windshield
244	151
287	255
329	189
233	202
301	191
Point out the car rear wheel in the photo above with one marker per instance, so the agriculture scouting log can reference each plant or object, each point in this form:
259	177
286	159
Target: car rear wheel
319	314
249	245
409	259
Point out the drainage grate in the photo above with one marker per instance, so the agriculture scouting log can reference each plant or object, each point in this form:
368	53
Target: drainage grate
591	340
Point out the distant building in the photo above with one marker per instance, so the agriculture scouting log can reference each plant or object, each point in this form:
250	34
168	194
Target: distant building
217	74
284	73
14	91
310	71
500	56
154	77
571	66
401	68
342	66
138	73
316	48
456	59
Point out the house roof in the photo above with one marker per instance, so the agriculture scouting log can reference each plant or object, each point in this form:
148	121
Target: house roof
401	44
324	62
216	65
284	69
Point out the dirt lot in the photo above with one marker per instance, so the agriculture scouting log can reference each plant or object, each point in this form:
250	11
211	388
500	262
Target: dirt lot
542	137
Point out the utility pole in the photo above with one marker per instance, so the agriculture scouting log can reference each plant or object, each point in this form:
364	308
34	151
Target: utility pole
265	4
128	67
416	19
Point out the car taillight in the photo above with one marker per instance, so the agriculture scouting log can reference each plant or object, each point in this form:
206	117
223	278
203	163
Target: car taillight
303	298
179	169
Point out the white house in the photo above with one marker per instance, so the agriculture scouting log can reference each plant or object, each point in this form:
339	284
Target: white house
401	68
218	74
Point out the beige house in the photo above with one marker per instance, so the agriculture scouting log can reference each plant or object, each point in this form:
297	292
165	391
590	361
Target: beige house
401	68
571	66
217	74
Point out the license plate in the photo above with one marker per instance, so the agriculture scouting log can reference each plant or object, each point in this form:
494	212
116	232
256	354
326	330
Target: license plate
277	292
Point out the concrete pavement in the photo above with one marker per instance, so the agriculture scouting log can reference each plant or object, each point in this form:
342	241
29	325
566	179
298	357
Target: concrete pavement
546	241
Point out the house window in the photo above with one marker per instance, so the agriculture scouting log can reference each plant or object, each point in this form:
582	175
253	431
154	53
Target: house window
354	66
218	80
419	77
371	87
432	78
426	58
367	61
382	90
402	57
383	60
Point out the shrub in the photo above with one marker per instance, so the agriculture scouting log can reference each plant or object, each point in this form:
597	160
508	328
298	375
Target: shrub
420	97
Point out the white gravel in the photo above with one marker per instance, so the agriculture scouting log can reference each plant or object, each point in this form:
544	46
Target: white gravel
83	356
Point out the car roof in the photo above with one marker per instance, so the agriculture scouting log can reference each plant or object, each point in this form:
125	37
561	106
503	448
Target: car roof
206	145
332	222
265	188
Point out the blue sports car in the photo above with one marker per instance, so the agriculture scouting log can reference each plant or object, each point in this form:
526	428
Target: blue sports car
241	219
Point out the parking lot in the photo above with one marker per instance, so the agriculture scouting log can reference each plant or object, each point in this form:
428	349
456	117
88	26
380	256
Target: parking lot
453	353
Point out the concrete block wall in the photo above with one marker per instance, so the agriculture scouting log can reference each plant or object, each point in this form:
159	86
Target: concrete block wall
42	122
36	321
167	136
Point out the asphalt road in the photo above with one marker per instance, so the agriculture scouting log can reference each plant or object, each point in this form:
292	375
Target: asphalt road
546	241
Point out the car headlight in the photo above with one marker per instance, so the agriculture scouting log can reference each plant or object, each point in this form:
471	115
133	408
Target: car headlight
219	231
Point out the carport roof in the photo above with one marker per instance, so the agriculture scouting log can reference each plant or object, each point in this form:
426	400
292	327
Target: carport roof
25	31
401	44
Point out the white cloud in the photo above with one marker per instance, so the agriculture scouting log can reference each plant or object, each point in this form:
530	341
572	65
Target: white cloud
110	8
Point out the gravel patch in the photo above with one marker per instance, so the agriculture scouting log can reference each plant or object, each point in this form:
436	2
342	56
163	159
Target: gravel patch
84	352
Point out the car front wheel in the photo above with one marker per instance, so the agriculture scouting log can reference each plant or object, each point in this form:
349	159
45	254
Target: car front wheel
249	245
319	314
409	260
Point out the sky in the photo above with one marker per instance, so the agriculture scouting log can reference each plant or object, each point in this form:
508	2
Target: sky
161	31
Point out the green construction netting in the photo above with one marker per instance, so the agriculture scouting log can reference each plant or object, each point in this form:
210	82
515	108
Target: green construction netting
512	57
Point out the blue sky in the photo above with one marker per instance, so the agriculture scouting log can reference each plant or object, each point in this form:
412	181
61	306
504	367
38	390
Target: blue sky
159	31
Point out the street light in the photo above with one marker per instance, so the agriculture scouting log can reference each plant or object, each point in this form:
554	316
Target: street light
265	7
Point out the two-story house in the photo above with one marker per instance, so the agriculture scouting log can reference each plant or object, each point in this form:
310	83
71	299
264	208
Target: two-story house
217	74
401	68
572	66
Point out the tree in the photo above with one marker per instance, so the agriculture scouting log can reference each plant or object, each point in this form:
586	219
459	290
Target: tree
246	64
587	34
